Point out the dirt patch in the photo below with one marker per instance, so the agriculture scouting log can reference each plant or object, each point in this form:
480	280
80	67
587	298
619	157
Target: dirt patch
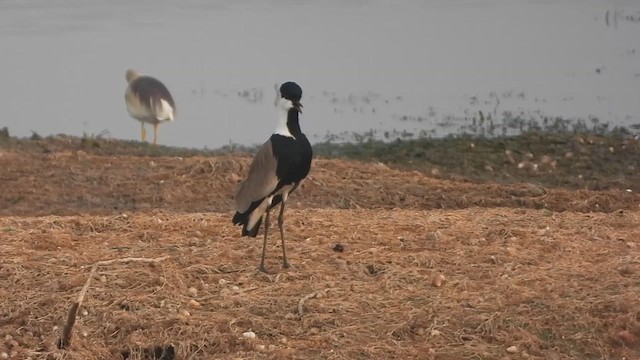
387	263
76	182
554	286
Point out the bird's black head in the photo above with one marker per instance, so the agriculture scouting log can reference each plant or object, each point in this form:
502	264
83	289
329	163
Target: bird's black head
293	92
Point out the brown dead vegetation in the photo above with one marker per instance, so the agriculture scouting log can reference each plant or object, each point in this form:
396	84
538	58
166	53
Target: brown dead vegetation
385	264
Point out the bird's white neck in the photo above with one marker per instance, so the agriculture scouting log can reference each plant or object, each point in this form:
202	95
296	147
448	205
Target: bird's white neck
282	128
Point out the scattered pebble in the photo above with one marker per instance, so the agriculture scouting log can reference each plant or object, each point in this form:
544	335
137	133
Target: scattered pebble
193	292
435	333
284	340
55	327
438	280
260	347
222	281
272	347
4	355
249	335
235	288
512	349
85	333
193	303
184	312
338	248
84	312
103	279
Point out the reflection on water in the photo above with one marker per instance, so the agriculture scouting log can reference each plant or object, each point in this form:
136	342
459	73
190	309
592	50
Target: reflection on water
405	66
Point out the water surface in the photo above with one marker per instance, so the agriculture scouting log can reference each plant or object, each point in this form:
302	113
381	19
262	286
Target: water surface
384	65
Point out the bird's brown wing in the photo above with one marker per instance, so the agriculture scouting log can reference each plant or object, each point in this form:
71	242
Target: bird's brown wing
261	179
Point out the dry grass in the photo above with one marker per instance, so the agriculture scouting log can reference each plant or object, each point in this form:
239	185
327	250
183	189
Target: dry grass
545	273
556	286
75	183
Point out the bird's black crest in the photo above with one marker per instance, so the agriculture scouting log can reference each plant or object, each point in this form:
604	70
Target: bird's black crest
291	91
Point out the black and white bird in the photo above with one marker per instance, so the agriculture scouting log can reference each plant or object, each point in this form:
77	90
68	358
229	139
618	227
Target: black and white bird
277	169
148	101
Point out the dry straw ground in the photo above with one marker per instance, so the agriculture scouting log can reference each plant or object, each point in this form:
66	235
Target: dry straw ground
430	268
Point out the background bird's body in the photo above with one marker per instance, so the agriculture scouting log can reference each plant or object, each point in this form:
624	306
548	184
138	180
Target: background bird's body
277	169
149	101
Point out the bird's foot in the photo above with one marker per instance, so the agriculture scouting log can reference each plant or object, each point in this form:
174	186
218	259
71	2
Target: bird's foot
262	269
285	265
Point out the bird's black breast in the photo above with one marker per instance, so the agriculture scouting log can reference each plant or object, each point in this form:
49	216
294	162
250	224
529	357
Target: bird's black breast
293	157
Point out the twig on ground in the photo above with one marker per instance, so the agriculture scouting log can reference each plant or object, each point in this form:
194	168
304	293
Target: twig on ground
65	339
317	294
305	298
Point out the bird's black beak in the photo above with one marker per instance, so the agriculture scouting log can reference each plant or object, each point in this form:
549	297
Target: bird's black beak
298	106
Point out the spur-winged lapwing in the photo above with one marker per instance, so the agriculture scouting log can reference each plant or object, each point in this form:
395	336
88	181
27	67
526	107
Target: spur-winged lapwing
276	171
148	101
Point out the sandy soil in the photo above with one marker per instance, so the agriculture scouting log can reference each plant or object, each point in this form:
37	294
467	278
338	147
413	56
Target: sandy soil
429	268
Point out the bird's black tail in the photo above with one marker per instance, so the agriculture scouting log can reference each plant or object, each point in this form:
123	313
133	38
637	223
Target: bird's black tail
243	219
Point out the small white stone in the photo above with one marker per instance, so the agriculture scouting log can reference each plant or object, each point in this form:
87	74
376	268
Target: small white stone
84	312
222	281
235	288
435	333
249	335
4	355
260	347
512	349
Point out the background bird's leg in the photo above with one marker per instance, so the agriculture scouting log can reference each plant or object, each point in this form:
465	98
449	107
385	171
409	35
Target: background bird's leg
285	262
144	132
264	243
155	133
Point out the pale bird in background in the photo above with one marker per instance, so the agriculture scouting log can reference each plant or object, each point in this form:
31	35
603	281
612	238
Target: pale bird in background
148	101
277	169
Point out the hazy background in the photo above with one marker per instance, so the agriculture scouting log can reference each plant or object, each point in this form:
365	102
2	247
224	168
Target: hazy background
362	64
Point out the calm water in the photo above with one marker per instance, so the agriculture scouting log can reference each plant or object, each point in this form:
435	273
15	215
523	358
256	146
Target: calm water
362	64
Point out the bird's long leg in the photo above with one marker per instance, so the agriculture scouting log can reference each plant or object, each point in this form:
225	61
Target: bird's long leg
285	262
155	133
144	132
264	243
